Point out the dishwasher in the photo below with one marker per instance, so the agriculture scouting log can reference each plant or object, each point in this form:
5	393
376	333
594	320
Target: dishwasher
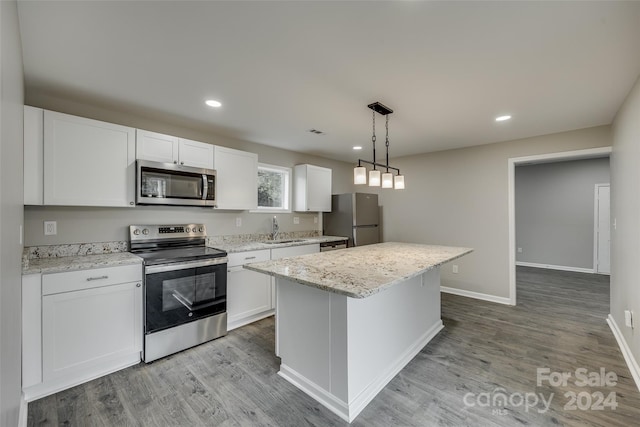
332	246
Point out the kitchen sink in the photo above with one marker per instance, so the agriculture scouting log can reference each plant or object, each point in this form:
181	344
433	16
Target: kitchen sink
276	242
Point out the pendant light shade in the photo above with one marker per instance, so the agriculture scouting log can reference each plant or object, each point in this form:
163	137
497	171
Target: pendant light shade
387	180
359	175
374	178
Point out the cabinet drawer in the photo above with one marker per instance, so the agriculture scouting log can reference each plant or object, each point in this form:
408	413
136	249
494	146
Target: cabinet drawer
56	283
241	258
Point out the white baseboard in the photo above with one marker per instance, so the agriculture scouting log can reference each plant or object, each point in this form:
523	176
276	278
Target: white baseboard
476	295
22	417
555	267
626	351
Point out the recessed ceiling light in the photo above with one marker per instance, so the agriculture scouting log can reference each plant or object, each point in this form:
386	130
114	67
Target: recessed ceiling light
357	147
502	118
213	103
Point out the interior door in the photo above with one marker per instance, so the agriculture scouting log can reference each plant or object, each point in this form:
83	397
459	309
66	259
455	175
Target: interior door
603	229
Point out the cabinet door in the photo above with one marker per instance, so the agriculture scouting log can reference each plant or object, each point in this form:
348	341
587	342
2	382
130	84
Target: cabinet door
248	296
84	332
237	175
312	188
31	330
156	147
33	155
318	189
87	162
195	154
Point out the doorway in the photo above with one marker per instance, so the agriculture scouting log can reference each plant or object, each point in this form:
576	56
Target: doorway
541	158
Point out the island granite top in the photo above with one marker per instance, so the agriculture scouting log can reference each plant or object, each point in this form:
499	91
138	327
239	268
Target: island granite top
361	271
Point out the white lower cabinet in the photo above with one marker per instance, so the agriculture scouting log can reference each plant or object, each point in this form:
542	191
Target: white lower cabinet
248	292
91	325
251	295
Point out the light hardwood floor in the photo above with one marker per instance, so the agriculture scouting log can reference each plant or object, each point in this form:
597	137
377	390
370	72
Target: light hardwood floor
559	323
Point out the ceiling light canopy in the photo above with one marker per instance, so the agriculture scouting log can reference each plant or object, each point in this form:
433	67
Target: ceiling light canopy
376	179
503	118
213	103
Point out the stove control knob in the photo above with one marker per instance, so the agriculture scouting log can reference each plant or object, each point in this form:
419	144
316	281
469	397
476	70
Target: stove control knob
188	230
136	232
201	229
145	231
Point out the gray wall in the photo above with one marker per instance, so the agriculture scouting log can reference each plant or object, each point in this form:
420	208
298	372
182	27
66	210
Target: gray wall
460	198
554	205
76	224
11	99
625	210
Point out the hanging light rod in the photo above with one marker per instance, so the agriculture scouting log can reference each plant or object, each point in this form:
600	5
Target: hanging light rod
360	172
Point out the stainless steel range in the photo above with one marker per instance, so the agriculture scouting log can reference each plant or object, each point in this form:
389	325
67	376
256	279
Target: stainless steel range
185	287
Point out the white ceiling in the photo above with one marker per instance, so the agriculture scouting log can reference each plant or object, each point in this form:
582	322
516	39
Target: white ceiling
282	68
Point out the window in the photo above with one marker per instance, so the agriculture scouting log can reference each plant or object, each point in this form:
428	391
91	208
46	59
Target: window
274	188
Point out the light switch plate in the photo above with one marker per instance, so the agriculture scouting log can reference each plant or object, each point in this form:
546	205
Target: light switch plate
296	220
238	222
455	268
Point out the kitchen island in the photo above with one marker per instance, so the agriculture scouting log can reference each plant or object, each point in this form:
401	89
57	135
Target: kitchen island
348	321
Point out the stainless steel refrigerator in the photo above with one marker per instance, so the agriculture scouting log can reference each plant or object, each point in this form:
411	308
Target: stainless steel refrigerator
353	215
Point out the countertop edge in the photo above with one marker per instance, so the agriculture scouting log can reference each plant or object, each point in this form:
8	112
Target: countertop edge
358	295
80	262
260	245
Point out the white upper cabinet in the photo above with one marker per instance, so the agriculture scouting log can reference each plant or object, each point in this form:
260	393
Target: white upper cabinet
87	162
195	154
237	175
312	188
158	147
33	155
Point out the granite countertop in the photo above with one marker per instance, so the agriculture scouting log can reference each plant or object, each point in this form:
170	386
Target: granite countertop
257	245
361	271
79	262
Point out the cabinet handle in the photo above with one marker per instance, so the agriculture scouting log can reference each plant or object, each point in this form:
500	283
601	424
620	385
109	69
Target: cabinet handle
250	257
175	162
138	285
90	279
182	163
131	203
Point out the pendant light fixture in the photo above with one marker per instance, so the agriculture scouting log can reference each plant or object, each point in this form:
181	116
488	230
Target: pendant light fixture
376	178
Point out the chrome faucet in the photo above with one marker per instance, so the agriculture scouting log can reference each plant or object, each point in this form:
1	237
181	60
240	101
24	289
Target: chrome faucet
275	230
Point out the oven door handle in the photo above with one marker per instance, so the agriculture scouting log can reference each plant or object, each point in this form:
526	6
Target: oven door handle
184	265
182	300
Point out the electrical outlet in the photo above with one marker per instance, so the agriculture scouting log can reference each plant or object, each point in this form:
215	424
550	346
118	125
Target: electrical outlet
519	250
628	318
315	219
615	226
455	268
238	221
296	220
21	235
50	228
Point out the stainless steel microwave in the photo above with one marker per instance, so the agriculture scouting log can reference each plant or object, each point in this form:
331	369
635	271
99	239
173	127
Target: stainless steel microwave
172	184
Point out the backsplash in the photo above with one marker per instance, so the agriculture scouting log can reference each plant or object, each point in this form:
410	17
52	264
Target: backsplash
258	237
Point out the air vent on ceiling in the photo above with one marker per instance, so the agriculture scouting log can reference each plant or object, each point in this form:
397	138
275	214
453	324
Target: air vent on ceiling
316	131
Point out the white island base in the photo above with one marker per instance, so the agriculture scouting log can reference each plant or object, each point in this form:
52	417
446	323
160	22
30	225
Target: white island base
342	351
